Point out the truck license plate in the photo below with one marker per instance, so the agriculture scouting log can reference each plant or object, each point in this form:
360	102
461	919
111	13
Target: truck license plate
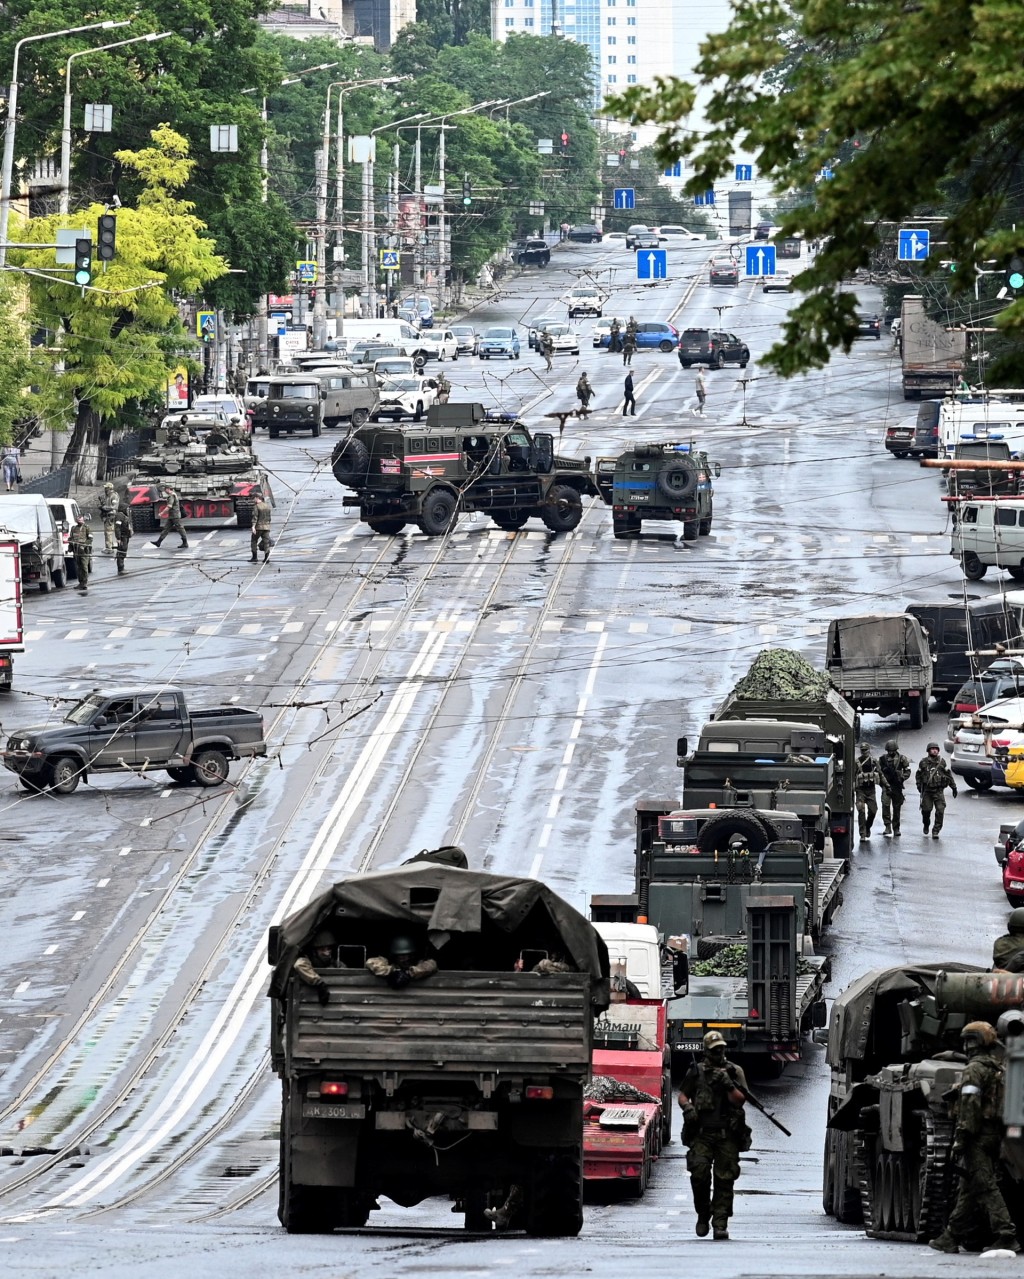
690	1045
349	1110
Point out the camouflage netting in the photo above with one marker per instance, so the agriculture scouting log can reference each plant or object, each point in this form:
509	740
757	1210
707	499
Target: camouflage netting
731	961
604	1088
779	673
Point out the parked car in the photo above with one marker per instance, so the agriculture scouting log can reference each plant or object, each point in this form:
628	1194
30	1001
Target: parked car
407	396
368	353
588	233
869	326
646	240
602	332
467	338
651	335
918	436
712	347
670	231
394	366
230	405
780	282
500	342
1004	678
27	519
585	299
724	271
632	232
1009	851
422	308
65	515
564	339
440	344
537	326
616	235
531	253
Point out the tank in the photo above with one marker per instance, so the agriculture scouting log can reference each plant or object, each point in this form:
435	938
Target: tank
210	464
893	1047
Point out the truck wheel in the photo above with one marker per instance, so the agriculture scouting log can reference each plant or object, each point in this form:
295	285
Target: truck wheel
316	430
273	432
563	509
308	1210
626	527
183	776
916	716
211	768
439	512
476	1205
510	521
846	1202
676	481
667	1099
973	567
350	462
60	577
418	415
691	529
44	582
27	783
716	832
555	1201
359	418
705	527
386	524
65	774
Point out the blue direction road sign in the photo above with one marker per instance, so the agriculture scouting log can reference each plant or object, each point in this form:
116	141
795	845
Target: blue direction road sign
760	259
825	174
744	172
913	245
652	264
625	198
675	169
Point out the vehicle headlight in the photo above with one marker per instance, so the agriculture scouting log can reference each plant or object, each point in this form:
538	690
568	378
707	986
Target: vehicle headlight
24	744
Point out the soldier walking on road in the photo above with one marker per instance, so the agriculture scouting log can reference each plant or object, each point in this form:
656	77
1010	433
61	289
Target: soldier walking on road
893	769
715	1132
172	520
547	349
109	504
932	778
976	1141
630	400
584	391
80	545
123	530
866	779
628	347
260	537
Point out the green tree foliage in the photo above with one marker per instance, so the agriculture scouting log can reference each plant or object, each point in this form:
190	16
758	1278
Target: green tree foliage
119	339
931	92
15	364
451	22
195	78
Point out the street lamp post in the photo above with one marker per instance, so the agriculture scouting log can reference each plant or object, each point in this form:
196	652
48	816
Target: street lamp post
7	171
65	135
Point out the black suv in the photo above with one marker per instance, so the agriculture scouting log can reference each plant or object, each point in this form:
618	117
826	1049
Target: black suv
586	234
532	253
712	347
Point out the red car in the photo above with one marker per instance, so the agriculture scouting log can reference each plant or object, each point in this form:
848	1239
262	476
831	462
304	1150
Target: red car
1010	854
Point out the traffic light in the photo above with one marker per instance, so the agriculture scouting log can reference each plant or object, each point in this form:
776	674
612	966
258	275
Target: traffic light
1015	273
106	237
564	140
622	154
312	296
467	191
83	261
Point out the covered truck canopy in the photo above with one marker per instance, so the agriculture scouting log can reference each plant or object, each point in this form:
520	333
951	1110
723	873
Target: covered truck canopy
465	919
878	641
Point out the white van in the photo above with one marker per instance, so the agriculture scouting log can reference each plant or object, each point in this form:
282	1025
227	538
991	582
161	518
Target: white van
27	518
975	415
989	534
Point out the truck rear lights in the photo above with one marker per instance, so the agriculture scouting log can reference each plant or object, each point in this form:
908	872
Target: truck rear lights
333	1088
539	1092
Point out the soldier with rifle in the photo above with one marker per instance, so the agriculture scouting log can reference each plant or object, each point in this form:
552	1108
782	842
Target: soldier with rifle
894	769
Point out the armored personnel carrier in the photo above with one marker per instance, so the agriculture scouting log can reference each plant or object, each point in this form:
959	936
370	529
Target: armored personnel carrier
216	474
666	481
462	458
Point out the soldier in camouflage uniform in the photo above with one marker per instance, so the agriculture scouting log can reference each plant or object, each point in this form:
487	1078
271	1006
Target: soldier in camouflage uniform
319	955
109	503
1008	950
123	530
172	520
893	771
932	778
976	1141
260	529
715	1132
866	781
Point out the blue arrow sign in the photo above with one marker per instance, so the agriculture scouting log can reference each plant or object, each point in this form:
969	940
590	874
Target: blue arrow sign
744	172
913	245
625	198
652	264
760	259
825	174
674	170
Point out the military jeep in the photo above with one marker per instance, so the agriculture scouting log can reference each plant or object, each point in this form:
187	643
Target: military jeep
462	458
669	481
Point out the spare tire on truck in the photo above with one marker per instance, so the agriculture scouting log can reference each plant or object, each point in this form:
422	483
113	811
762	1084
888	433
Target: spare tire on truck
676	481
350	461
717	831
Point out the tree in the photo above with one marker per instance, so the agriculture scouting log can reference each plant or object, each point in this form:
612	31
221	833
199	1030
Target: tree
929	90
119	338
15	364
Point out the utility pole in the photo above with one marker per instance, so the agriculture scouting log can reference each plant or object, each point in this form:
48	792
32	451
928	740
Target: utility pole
442	228
320	305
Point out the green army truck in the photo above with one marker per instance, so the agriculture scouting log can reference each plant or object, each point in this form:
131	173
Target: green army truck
462	458
781	686
881	663
464	1083
740	899
667	481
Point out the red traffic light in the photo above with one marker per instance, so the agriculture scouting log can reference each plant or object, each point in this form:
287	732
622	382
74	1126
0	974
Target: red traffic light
565	138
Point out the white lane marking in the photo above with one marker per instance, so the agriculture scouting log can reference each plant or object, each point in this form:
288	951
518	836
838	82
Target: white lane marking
102	883
81	633
120	632
51	950
588	687
638	628
79	914
290	628
21	987
561	779
33	636
125	851
552	812
230	1019
570	751
247	679
535	865
594	626
682	628
251	628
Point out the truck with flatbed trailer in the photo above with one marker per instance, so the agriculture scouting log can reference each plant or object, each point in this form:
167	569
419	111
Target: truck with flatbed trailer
466	1083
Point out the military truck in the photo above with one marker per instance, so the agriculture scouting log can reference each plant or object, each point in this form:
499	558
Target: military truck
463	458
669	481
318	398
893	1048
216	475
933	356
465	1083
881	663
740	898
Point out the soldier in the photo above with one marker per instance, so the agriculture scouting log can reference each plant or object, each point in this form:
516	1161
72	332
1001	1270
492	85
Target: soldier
401	966
80	542
584	391
172	520
932	778
629	401
893	770
628	347
547	349
615	337
123	530
701	388
1008	950
976	1141
109	504
444	389
866	780
715	1130
260	529
320	954
632	328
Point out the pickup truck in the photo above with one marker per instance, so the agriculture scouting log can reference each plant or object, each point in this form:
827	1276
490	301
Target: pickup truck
135	730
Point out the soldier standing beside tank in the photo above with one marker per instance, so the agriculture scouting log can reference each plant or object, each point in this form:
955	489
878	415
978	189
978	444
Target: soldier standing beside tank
715	1132
172	520
866	779
109	504
123	531
260	529
976	1141
932	778
893	769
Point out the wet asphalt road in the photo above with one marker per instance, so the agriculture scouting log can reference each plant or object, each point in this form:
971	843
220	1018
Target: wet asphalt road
517	693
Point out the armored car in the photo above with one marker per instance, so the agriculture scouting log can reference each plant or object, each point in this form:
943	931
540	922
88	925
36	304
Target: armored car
668	481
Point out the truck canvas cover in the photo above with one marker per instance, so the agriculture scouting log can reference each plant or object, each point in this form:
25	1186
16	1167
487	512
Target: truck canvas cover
870	643
503	914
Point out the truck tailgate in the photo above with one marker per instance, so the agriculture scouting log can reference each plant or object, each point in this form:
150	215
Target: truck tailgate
453	1022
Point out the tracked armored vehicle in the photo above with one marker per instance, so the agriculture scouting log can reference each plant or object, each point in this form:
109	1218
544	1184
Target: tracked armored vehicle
216	475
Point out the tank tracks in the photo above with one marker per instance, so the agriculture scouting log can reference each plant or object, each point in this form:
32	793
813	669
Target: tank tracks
906	1195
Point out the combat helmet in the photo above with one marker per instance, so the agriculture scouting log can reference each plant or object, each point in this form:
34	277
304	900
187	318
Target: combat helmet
401	946
1015	920
892	746
322	938
981	1032
933	746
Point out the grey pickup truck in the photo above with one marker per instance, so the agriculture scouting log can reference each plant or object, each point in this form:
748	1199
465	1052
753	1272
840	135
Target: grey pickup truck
135	730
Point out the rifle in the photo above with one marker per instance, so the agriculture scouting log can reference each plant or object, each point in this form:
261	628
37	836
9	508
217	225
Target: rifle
758	1105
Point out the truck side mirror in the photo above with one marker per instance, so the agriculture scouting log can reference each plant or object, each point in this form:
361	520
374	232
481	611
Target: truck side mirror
273	943
681	749
718	470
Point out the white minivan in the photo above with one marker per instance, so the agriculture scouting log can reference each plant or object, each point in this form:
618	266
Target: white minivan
989	534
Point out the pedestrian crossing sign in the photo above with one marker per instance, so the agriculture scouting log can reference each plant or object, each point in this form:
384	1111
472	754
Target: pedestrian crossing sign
206	325
390	259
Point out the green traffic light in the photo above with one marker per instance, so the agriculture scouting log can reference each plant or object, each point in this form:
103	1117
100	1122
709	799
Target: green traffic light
83	276
467	199
1016	280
